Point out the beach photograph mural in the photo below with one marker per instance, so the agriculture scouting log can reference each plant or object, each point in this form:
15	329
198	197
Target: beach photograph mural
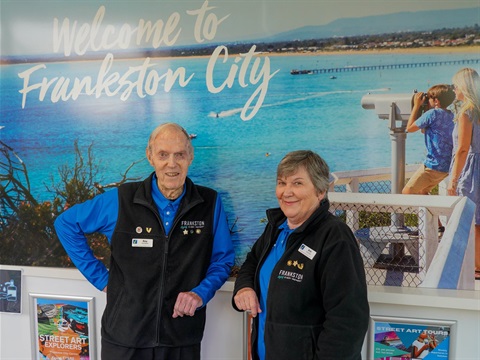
83	83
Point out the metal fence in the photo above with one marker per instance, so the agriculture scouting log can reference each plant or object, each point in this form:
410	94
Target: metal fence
392	242
377	187
392	239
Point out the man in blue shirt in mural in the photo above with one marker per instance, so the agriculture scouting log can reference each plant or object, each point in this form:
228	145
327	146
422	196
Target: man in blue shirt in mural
171	251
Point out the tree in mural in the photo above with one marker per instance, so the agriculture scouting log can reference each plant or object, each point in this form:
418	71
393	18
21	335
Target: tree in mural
26	224
23	217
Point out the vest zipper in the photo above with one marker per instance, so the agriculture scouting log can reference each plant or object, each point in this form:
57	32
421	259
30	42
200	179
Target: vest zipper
165	257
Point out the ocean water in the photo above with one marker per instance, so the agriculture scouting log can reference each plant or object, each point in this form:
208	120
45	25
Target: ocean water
299	112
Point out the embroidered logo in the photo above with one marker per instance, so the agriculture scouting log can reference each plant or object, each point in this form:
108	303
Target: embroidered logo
192	226
290	275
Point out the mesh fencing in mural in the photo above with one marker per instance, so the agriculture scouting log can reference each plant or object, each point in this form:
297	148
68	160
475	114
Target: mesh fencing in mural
391	238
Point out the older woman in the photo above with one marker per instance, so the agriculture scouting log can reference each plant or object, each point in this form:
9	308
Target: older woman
304	281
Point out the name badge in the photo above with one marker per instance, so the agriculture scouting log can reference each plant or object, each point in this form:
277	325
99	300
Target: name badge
142	243
305	250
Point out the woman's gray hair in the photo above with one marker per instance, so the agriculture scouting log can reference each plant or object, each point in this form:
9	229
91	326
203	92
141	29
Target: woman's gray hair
162	127
315	166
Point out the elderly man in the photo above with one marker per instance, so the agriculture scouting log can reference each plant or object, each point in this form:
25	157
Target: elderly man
170	252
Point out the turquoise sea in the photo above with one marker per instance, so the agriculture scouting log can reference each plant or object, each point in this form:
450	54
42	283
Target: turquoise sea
299	112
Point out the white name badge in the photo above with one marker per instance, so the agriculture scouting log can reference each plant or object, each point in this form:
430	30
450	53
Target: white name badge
305	250
142	243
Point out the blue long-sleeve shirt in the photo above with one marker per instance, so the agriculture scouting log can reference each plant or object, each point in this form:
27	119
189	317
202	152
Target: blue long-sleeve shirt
100	215
265	275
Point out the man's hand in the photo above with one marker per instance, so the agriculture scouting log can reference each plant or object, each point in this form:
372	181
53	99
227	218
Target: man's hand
186	304
246	299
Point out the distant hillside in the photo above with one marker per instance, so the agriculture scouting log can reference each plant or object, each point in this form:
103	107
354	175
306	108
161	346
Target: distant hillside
456	26
380	24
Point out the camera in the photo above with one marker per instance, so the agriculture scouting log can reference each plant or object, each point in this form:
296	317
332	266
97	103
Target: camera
424	106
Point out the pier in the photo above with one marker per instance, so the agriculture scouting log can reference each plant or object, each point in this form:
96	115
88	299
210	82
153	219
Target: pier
384	67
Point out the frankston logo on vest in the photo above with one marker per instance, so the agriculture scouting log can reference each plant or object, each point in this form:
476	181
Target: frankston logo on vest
290	275
192	226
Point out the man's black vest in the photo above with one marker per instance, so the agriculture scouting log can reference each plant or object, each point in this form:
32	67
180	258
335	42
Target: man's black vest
149	269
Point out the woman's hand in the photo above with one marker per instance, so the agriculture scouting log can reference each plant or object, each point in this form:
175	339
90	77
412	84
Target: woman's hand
246	299
452	188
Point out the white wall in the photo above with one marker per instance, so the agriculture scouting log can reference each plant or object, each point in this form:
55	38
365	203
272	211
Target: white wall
224	331
223	338
462	306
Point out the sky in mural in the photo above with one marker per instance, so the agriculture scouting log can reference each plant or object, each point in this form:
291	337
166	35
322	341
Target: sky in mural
252	18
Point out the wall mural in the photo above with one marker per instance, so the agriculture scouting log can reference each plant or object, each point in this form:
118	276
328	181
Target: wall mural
83	83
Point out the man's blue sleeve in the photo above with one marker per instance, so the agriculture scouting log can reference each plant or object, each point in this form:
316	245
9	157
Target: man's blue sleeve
222	260
96	215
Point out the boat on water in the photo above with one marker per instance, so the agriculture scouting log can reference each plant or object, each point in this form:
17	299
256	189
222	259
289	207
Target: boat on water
333	77
192	136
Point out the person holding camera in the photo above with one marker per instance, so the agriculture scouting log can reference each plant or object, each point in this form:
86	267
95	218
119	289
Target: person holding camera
436	123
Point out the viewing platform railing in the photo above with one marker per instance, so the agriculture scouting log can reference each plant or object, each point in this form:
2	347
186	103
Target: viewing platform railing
399	234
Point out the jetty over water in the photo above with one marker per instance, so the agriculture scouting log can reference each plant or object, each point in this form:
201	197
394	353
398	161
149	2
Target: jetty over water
384	67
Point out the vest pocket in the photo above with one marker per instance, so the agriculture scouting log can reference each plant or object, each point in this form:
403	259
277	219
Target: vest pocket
113	306
287	341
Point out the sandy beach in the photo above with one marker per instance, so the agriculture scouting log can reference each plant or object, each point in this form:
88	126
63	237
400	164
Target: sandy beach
473	50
